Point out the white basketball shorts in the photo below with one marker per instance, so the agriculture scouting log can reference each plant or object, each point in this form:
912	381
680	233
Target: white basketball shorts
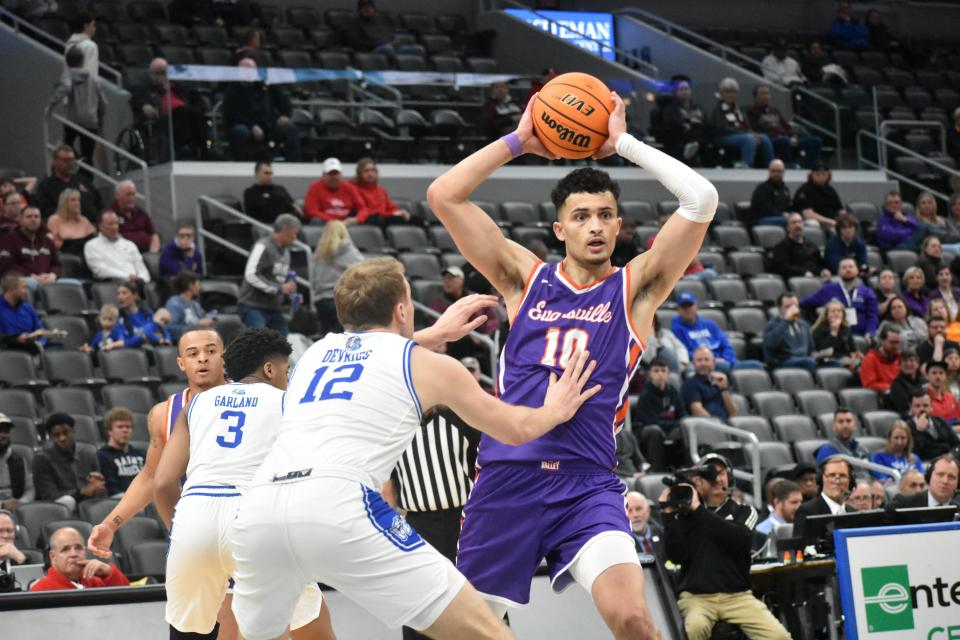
343	534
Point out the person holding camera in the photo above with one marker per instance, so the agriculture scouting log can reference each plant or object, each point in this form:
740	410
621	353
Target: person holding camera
707	393
710	538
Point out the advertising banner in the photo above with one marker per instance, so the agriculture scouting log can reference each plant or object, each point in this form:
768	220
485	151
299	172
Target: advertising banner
588	30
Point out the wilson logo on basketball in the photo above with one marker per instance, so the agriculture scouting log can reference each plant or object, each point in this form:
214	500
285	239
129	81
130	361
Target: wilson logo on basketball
577	103
566	134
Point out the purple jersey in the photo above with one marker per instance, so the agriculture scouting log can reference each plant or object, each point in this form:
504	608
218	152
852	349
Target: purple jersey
554	318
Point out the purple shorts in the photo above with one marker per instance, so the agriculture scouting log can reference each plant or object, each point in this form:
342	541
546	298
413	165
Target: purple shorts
519	514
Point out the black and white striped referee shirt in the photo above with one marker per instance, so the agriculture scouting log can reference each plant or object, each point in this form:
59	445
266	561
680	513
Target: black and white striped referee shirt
436	470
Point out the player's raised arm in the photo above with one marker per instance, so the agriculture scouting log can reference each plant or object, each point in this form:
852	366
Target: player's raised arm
173	464
503	262
441	380
140	492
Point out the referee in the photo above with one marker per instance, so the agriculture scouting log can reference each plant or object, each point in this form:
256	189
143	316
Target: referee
433	480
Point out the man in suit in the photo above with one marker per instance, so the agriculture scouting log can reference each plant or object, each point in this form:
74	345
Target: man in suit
835	484
647	535
942	478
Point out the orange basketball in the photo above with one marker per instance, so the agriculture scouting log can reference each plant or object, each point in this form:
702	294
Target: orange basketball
570	115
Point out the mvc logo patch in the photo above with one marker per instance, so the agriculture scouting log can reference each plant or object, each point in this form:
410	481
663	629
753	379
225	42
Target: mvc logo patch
353	343
886	596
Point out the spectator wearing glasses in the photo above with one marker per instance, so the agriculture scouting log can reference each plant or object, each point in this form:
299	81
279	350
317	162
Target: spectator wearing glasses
881	365
70	568
861	498
835	476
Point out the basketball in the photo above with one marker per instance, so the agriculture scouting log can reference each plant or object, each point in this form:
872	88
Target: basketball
570	115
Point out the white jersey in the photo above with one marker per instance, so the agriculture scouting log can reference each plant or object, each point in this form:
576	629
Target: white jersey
232	428
350	411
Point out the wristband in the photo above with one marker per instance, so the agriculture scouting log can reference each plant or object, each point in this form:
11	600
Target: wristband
513	143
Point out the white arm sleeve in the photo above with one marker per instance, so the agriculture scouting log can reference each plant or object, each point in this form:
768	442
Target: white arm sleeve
697	197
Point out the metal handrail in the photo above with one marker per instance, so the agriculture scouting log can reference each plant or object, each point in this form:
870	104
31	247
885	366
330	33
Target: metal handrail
49	146
648	67
711	425
883	143
872	466
886	124
836	134
19	24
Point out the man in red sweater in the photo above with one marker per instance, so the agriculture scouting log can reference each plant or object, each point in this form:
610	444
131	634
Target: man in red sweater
332	198
943	402
882	365
70	568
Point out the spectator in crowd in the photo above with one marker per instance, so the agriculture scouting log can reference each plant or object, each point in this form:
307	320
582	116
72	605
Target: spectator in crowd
112	257
881	365
846	243
454	288
813	61
647	535
222	13
28	250
20	326
658	414
154	102
707	392
334	254
833	339
10	556
878	494
932	437
472	365
936	344
63	175
84	100
66	471
136	225
879	34
500	113
264	200
913	290
927	213
952	359
770	201
120	462
886	289
694	331
816	199
12	206
953	136
630	462
625	248
695	270
133	317
895	229
370	31
780	68
376	200
111	334
266	278
842	442
861	498
787	340
897	452
847	32
712	545
16	480
946	291
805	475
913	330
83	26
787	498
256	113
857	297
944	478
70	568
795	255
184	306
181	254
333	198
835	485
678	122
68	227
730	128
951	241
663	344
156	332
249	46
908	383
788	144
930	260
911	482
943	404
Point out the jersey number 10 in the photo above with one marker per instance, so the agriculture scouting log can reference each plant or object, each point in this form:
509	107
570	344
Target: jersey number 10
572	340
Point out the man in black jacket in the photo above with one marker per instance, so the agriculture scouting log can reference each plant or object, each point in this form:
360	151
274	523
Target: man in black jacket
836	482
257	113
67	471
712	544
909	383
658	414
63	175
944	477
265	200
795	255
16	481
932	436
770	201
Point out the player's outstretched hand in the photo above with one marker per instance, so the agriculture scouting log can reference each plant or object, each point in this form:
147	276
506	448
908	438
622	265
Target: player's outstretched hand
565	394
531	143
101	537
457	321
616	127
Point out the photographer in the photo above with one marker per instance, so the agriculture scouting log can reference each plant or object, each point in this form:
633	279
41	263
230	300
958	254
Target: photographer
710	538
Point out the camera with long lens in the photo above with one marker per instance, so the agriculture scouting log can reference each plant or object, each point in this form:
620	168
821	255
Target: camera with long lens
680	497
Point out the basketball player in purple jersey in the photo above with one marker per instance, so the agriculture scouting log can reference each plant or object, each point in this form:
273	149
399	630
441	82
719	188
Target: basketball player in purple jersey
557	497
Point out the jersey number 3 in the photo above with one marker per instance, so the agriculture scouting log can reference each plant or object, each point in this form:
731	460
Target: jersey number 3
234	433
572	340
350	373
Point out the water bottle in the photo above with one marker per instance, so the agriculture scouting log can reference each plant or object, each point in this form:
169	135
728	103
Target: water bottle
296	299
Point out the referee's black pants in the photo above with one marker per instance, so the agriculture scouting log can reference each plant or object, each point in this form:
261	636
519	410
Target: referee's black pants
442	530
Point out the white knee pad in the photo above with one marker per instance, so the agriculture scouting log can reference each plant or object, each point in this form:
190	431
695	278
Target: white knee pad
600	553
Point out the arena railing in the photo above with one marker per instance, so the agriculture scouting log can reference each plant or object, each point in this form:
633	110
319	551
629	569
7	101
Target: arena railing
108	146
872	466
21	25
732	56
886	125
710	424
883	144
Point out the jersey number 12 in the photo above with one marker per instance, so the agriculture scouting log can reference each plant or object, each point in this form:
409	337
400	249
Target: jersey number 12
350	373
